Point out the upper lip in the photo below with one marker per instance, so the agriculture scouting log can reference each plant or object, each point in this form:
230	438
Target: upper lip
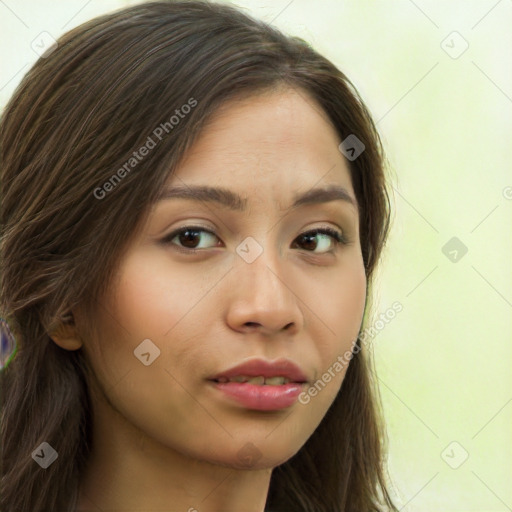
264	368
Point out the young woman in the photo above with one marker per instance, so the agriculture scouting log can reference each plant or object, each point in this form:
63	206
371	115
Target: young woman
193	206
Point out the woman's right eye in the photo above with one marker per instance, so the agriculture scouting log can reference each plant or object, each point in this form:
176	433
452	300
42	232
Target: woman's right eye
189	238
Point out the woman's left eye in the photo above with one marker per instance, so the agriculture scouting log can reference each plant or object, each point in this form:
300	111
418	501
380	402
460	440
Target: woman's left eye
188	239
329	237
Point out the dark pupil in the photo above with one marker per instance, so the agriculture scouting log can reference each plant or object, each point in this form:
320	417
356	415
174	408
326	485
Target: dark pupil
310	240
187	237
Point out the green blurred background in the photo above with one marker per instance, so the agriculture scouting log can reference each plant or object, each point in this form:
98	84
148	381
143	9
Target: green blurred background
437	77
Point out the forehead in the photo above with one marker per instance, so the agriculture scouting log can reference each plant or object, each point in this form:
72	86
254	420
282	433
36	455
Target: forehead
278	139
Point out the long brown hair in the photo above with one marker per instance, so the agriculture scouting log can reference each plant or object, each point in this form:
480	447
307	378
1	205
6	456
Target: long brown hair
72	124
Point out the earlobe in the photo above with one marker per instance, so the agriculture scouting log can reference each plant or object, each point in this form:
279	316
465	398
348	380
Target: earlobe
66	335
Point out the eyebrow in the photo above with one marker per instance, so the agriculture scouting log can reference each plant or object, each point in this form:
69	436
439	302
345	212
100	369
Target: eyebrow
233	201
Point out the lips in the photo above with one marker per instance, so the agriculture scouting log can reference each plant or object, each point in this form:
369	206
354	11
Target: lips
262	372
261	385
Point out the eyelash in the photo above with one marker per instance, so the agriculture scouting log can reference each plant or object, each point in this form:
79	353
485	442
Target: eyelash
339	238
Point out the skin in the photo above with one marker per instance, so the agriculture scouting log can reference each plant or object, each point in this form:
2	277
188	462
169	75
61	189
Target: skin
164	438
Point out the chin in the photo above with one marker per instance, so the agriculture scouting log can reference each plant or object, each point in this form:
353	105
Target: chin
249	457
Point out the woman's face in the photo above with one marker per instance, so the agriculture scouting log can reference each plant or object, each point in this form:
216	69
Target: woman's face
245	273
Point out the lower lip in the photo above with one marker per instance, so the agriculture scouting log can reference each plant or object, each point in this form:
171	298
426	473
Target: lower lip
261	398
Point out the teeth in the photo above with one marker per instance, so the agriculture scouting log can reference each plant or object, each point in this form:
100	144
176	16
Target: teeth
276	381
257	381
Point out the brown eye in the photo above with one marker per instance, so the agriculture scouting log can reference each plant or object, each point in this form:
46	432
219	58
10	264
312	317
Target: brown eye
324	238
190	237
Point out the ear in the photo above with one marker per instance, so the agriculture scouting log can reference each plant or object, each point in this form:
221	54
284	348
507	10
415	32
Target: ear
65	335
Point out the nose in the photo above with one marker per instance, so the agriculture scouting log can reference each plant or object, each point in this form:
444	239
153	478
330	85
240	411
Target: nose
262	298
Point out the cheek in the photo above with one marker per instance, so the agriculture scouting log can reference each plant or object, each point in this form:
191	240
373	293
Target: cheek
141	305
156	298
341	310
340	306
143	299
353	300
153	299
